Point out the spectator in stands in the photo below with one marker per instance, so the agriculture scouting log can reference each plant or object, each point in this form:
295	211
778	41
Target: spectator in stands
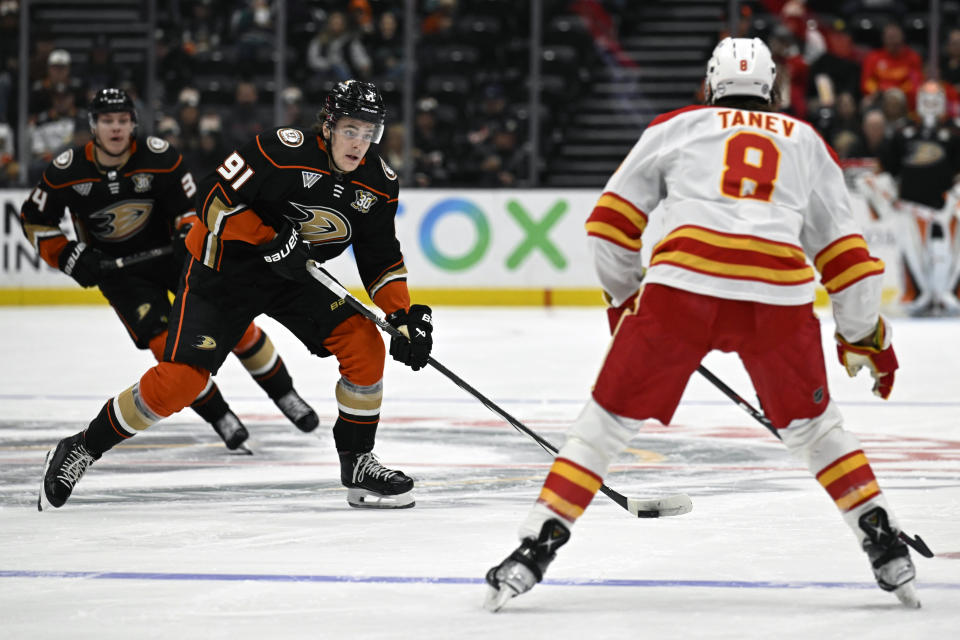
53	129
337	53
361	15
439	19
872	138
950	62
169	130
431	157
188	116
492	112
893	103
293	112
253	31
502	162
203	29
56	81
394	141
212	149
894	66
836	71
387	48
246	120
792	72
8	157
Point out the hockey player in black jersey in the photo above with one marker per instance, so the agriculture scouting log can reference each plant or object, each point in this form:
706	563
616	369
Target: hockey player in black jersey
128	195
286	196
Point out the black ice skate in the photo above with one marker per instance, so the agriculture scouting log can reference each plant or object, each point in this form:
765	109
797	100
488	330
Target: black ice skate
371	485
298	411
62	470
232	432
889	557
525	566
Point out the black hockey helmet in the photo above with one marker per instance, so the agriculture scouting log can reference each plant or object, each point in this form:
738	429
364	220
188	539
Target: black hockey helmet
111	100
355	99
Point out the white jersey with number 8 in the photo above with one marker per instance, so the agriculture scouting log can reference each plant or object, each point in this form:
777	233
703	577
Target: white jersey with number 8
751	202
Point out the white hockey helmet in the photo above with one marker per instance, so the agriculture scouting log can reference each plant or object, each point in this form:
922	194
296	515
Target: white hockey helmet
740	67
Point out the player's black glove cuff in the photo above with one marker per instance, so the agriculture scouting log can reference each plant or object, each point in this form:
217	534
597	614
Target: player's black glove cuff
82	263
417	325
287	255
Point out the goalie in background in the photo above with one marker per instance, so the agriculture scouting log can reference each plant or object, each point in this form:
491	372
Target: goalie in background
917	191
746	196
128	195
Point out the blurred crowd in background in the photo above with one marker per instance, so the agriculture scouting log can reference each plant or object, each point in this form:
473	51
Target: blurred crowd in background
852	68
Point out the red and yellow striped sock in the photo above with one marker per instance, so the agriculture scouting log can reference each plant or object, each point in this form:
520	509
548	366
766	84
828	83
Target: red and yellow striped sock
849	480
568	489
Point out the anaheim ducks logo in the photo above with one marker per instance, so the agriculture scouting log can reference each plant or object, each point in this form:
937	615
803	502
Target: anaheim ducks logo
924	154
321	225
143	310
120	221
205	342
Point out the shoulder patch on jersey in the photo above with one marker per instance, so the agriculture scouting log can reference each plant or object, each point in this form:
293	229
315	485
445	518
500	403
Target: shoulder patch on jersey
157	145
63	160
390	173
290	137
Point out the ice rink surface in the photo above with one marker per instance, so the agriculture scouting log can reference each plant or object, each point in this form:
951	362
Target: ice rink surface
171	536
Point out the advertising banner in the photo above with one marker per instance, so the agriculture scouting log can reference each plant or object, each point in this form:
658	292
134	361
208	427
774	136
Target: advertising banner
460	246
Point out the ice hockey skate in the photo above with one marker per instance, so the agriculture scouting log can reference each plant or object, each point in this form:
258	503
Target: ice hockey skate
232	432
889	557
298	411
62	470
525	566
370	485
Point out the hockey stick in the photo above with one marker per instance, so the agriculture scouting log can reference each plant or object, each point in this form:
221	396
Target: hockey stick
135	258
916	541
673	505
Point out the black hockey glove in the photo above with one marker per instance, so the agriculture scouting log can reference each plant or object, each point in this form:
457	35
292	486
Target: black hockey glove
416	325
82	263
287	255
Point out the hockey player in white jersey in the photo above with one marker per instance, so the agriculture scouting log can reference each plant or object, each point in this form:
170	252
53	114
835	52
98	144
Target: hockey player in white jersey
745	195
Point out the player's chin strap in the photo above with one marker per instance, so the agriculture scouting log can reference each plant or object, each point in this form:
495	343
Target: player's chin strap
672	505
916	541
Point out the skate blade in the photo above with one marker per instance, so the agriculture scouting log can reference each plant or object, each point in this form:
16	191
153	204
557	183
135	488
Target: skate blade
42	502
908	596
496	598
363	499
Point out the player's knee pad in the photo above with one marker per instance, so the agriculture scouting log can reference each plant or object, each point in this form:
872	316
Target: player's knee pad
358	347
597	437
171	386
